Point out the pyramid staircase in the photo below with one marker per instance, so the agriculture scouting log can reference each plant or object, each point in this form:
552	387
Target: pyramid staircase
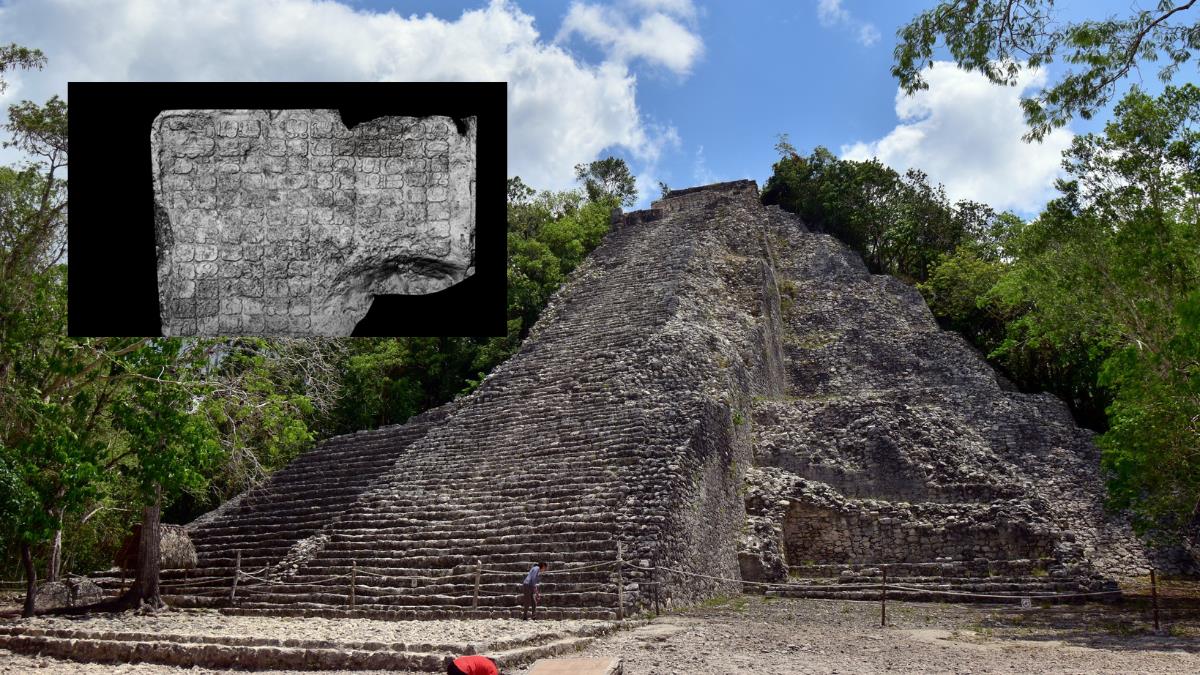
603	437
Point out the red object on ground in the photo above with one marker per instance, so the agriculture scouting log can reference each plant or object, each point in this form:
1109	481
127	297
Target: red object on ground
476	665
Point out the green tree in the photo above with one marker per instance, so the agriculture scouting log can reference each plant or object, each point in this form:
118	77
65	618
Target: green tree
1108	276
168	448
15	56
900	224
1003	38
954	289
52	390
608	179
268	400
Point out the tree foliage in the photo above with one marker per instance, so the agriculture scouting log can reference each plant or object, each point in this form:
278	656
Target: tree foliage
1112	271
14	56
901	224
608	179
1004	38
1095	300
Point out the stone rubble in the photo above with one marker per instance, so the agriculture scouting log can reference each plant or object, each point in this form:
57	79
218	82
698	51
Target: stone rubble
896	444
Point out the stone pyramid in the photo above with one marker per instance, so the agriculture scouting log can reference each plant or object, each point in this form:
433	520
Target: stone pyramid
721	393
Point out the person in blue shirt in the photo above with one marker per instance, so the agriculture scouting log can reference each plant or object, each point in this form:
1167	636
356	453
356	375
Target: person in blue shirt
529	590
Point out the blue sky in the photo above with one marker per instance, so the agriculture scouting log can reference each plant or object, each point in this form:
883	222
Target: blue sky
687	91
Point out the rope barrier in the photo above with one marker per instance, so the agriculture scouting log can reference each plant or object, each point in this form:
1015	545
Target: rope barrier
362	573
276	582
840	587
1004	597
201	581
269	586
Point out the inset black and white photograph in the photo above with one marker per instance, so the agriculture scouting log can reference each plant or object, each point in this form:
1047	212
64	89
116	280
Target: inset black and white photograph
297	221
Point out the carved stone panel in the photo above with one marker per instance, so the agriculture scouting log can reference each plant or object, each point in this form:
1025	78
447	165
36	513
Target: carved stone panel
285	222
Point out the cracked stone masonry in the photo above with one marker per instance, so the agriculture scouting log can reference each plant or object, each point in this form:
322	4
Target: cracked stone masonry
285	222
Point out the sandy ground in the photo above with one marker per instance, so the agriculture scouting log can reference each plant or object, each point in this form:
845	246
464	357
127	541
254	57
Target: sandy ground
748	634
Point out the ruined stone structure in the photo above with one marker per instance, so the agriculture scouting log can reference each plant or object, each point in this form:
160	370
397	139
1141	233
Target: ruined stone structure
288	223
720	391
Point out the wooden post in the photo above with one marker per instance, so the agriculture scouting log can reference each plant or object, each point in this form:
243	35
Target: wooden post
654	578
883	600
237	574
1154	596
353	580
478	572
620	582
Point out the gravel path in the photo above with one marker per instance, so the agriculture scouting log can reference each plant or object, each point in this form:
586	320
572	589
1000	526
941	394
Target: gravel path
748	634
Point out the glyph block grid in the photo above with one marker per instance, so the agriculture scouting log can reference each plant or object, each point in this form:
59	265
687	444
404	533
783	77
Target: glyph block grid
286	222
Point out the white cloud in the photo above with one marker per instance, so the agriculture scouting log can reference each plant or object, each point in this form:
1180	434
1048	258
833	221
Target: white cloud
831	14
700	171
647	169
657	38
561	110
868	35
683	9
965	132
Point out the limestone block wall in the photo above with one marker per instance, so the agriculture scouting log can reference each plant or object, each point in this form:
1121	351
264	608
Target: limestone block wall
286	222
894	534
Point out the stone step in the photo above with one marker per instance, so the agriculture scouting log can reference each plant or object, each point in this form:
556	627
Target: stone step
343	543
404	501
198	655
953	568
420	613
325	568
241	640
383	598
916	590
197	652
517	563
981	585
450	560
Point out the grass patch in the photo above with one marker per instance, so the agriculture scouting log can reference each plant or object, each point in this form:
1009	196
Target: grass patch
737	603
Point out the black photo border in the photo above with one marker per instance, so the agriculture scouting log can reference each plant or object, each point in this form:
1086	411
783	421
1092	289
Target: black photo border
112	285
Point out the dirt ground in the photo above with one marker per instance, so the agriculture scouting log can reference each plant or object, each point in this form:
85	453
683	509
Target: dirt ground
748	634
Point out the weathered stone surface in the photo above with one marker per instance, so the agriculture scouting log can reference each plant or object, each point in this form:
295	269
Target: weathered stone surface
705	336
897	444
285	222
175	549
70	593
